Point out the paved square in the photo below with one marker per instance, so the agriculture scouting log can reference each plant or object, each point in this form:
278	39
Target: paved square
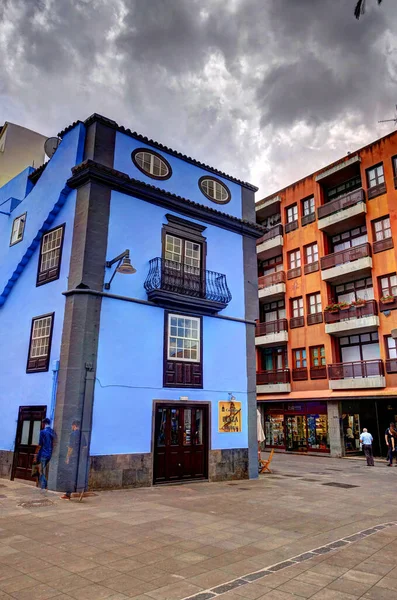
284	536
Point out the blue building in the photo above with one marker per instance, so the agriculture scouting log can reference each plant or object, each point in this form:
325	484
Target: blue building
128	302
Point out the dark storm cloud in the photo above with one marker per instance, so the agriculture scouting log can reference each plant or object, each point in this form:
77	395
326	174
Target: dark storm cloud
267	90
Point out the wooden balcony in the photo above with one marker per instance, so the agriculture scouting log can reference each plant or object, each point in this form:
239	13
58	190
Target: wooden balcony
356	319
293	273
271	333
391	365
392	305
318	372
275	381
271	243
311	267
299	374
376	190
306	219
295	322
272	286
291	226
382	245
315	318
349	210
340	266
357	375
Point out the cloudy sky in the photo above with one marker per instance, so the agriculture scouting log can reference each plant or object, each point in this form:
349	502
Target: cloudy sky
266	90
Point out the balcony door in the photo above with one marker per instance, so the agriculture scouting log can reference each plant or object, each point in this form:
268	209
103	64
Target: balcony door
354	348
274	311
272	359
182	271
181	442
349	239
26	440
354	290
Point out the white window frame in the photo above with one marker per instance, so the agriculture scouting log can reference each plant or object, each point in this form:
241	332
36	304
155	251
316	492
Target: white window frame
18	229
45	253
292	213
46	322
198	340
218	193
141	158
307	204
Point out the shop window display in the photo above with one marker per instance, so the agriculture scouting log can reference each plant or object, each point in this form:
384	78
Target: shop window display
317	432
274	430
296	433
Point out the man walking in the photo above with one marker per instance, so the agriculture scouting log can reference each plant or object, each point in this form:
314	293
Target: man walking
366	439
72	457
390	439
44	451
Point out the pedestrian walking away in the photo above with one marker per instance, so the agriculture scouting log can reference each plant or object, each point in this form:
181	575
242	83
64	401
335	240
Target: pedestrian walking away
76	440
391	441
366	440
44	451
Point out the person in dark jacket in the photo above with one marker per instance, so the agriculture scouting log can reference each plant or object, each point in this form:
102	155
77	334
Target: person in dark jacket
44	451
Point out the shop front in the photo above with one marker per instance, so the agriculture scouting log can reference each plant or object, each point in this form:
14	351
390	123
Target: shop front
296	427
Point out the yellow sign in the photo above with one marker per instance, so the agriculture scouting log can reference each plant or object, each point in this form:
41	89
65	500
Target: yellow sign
229	417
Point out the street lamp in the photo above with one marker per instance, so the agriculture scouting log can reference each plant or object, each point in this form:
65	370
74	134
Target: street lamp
123	266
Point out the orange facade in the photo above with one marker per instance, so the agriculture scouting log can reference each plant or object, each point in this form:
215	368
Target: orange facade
355	251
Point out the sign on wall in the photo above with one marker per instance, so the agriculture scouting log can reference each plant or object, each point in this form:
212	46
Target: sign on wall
229	417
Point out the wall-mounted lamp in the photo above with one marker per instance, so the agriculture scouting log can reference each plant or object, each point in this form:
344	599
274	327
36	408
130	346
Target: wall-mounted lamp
124	266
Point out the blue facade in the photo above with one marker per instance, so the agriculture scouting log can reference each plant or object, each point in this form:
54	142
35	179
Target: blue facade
127	351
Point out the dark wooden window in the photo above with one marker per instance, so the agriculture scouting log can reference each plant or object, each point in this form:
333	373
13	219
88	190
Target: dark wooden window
50	255
318	365
271	359
18	228
361	289
292	213
314	309
272	311
40	343
391	354
271	265
349	239
388	285
382	234
311	253
299	370
308	206
297	313
358	342
343	188
294	259
376	181
183	351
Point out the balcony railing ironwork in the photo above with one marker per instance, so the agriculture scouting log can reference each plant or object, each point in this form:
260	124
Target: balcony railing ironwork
179	278
272	377
272	279
345	256
271	327
369	309
357	369
269	235
341	203
382	245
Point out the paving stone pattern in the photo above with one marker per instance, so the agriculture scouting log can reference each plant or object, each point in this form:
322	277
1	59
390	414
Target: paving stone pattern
277	538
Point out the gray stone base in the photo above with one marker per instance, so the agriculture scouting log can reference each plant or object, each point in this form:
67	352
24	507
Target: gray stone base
225	465
6	458
116	471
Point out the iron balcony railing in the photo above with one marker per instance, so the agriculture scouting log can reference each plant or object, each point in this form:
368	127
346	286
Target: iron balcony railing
271	327
180	278
272	279
269	235
369	309
345	256
341	203
357	369
273	376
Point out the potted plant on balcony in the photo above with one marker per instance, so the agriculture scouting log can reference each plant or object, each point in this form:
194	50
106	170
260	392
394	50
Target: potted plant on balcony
343	305
387	299
332	308
359	302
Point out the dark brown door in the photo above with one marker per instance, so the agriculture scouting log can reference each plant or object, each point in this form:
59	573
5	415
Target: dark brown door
27	438
181	442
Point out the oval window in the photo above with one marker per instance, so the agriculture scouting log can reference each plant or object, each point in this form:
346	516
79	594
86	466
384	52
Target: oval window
151	163
214	189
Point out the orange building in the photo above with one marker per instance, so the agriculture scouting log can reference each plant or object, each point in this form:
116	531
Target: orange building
326	360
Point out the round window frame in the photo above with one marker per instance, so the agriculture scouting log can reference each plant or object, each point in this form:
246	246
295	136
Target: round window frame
160	156
229	195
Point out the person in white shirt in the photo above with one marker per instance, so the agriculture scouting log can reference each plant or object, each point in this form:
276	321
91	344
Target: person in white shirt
366	439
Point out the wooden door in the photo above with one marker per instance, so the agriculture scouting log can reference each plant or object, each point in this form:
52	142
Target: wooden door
181	442
26	440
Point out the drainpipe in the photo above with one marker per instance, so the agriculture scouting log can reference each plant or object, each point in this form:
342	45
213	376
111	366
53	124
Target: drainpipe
55	373
85	428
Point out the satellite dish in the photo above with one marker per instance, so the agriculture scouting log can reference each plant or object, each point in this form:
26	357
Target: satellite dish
50	145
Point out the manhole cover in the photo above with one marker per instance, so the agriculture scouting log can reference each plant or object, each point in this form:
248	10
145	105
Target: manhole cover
35	503
340	485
